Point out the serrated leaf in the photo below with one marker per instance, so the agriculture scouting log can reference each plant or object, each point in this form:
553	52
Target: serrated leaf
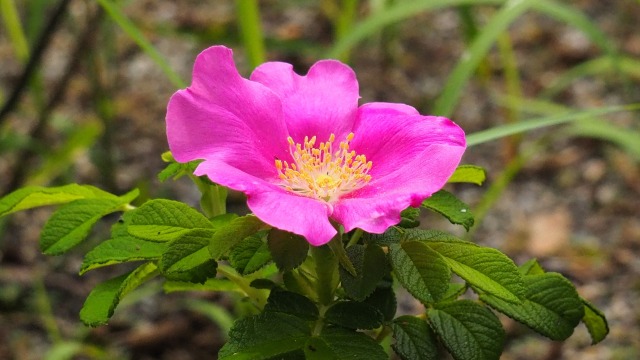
120	250
468	174
287	250
370	263
175	169
36	196
291	303
71	223
210	285
265	336
342	344
409	218
447	205
250	255
392	235
103	299
165	220
187	258
420	270
454	291
354	315
484	268
468	330
383	299
551	306
414	339
595	321
227	236
531	267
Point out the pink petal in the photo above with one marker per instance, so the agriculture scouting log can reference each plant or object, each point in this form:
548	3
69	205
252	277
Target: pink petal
413	156
391	135
225	117
377	206
324	101
274	205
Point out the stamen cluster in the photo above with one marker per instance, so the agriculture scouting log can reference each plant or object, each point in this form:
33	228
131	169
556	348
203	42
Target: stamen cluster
321	173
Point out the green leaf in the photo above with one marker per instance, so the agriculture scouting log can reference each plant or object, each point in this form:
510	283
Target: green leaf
104	298
211	285
299	282
36	196
342	344
288	250
414	339
383	299
531	267
595	322
454	291
291	303
468	330
484	268
176	170
447	205
392	235
165	220
234	232
420	270
250	255
370	264
410	218
120	250
468	174
354	315
71	223
551	306
325	264
187	258
265	336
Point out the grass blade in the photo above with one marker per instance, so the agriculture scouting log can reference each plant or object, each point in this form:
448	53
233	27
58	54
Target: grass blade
538	123
248	13
136	35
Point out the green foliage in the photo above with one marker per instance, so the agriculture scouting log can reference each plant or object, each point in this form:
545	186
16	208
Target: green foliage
165	220
354	315
187	258
104	298
420	270
484	268
551	306
468	174
287	250
595	322
447	205
250	255
338	344
414	339
370	264
227	236
468	330
291	303
36	196
120	250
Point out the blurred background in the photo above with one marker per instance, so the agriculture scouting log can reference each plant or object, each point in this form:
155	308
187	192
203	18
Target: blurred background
83	92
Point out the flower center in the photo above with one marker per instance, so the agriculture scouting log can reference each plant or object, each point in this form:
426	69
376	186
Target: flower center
322	173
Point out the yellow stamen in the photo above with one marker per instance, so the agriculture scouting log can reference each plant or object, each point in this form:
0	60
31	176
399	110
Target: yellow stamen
321	173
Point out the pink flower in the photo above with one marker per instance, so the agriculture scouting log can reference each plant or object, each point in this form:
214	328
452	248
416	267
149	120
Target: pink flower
302	150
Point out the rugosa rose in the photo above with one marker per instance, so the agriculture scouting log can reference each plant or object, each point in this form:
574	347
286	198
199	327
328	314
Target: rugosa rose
302	150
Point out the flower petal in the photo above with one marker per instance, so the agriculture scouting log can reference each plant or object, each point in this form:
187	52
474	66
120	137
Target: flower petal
413	156
392	135
377	206
324	101
274	205
225	117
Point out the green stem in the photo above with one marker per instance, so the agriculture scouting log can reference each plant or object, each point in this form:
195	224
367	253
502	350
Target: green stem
326	269
259	297
355	237
386	331
319	325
